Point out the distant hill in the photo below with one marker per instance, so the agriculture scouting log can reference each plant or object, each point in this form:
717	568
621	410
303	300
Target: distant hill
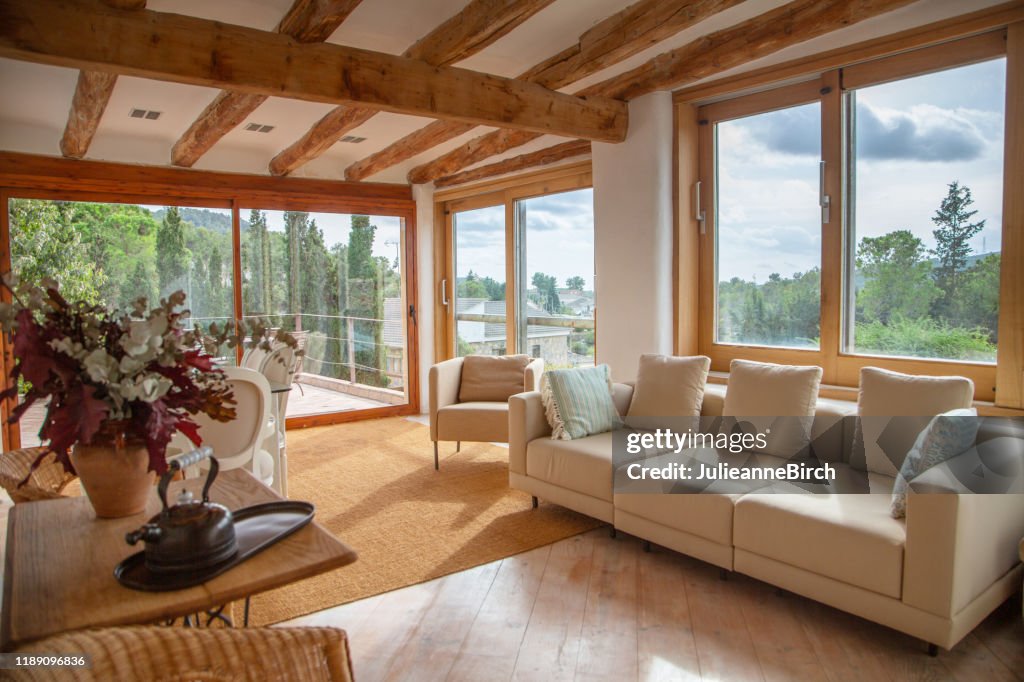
202	217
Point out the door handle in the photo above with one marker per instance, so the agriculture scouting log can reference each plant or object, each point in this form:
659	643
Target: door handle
444	292
824	200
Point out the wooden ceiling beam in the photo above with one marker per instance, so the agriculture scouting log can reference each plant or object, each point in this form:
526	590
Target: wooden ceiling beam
628	32
194	51
307	21
758	37
92	93
478	25
788	25
543	157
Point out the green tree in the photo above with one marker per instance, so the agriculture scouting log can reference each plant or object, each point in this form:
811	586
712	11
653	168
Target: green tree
45	244
171	256
952	244
472	287
976	301
547	291
897	278
575	283
258	247
295	225
365	294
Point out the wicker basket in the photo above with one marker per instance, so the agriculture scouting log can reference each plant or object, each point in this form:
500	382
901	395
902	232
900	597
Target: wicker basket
173	654
45	483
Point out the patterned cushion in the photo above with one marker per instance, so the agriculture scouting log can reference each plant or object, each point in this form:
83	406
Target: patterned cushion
578	402
948	435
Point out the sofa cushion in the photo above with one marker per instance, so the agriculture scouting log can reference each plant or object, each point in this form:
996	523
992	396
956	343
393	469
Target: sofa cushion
583	465
761	389
578	402
850	538
705	515
885	394
492	377
667	386
476	422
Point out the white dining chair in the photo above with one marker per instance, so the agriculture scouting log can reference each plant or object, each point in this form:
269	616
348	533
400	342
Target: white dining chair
279	367
239	442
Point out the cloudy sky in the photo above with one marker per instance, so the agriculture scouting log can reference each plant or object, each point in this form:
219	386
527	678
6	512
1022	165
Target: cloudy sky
913	138
559	233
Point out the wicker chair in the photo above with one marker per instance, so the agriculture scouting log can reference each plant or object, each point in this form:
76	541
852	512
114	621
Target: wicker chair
45	483
166	654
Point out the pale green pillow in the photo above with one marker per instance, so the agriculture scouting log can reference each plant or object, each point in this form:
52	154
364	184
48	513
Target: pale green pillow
578	402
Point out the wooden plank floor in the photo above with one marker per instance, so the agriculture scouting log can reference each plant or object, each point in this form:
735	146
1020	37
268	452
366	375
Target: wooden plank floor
596	608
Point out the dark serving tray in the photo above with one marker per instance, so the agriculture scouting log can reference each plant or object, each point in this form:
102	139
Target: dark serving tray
256	528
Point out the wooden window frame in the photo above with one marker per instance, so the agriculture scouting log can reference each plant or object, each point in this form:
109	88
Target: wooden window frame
27	176
842	368
504	192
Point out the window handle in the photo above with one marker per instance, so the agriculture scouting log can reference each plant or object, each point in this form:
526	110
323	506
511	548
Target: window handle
444	292
698	212
824	200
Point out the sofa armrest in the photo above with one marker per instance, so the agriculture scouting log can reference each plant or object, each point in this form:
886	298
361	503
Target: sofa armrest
534	371
443	382
526	422
957	546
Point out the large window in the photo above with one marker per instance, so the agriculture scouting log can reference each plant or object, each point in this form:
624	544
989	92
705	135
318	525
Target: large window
335	282
518	275
556	278
925	202
768	258
857	218
478	297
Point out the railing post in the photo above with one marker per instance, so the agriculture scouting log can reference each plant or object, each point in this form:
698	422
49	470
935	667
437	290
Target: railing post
351	327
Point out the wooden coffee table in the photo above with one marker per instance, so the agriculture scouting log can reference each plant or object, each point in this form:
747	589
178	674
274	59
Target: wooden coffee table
59	572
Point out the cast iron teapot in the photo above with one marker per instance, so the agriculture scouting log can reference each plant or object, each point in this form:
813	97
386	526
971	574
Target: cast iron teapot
191	535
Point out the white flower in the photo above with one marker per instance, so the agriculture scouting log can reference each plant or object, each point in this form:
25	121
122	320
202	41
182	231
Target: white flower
68	347
145	387
130	365
101	367
144	337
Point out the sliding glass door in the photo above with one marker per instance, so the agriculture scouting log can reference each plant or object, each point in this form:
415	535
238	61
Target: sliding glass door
337	283
478	291
111	254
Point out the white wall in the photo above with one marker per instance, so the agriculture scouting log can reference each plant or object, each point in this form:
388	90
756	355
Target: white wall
424	197
633	238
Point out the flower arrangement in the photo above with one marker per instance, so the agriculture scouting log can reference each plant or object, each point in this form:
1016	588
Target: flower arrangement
138	369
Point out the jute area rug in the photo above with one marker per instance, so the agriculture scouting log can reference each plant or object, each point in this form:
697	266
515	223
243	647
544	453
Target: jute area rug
374	486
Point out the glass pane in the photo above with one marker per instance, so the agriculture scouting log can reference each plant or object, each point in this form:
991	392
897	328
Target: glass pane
556	313
111	254
768	232
926	223
480	320
334	281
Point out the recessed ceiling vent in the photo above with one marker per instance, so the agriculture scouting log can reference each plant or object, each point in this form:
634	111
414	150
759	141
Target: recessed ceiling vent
353	139
145	113
258	128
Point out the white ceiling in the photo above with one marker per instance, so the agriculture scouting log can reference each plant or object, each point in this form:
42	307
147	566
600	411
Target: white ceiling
34	111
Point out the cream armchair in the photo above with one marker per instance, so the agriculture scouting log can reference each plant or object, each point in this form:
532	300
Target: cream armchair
483	421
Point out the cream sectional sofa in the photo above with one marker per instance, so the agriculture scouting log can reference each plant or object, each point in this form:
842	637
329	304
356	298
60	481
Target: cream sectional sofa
935	574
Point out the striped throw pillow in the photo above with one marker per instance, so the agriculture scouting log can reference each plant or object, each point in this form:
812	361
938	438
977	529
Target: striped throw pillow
578	402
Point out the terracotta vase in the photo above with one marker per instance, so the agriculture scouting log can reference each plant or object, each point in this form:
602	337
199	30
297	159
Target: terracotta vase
114	473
